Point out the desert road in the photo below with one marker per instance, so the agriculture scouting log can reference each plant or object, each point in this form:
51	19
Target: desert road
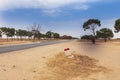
4	49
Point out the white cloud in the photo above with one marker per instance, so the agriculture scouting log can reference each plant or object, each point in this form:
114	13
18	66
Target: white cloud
48	6
81	7
4	4
52	12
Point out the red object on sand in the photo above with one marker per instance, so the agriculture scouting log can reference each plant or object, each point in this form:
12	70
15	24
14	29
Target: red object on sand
66	49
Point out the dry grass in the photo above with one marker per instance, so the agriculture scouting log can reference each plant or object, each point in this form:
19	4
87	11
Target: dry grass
63	68
13	42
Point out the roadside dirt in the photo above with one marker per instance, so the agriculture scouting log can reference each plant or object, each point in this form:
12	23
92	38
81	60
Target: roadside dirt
32	64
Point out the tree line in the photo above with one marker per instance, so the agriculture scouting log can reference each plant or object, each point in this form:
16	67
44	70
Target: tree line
104	33
34	33
91	24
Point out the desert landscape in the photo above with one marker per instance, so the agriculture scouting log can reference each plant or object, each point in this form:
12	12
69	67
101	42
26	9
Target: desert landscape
99	62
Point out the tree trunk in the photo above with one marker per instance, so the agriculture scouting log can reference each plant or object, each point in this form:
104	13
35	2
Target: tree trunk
7	38
93	39
105	39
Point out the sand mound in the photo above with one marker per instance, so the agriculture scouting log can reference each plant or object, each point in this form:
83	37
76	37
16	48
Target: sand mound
63	68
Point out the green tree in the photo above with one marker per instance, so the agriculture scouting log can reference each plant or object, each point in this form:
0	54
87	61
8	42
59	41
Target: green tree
24	33
43	36
4	30
10	32
36	31
66	37
56	35
36	34
105	33
87	37
21	33
29	34
0	33
92	24
49	34
117	25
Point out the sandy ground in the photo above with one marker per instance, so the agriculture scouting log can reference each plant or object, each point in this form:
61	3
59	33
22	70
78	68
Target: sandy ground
31	63
2	43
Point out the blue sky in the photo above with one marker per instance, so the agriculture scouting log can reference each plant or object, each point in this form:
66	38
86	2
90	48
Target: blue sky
62	16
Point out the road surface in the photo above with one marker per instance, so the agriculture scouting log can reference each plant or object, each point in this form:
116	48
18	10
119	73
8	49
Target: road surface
4	49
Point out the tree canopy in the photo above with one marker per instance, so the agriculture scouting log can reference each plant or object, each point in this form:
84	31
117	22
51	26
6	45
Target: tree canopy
87	37
0	33
21	33
33	33
56	35
3	29
49	34
105	33
10	32
92	24
66	37
117	25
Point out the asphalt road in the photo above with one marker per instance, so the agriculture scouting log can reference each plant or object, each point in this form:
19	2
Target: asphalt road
4	49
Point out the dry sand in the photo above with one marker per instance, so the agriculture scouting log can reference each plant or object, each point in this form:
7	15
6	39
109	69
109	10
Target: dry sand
30	64
2	43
